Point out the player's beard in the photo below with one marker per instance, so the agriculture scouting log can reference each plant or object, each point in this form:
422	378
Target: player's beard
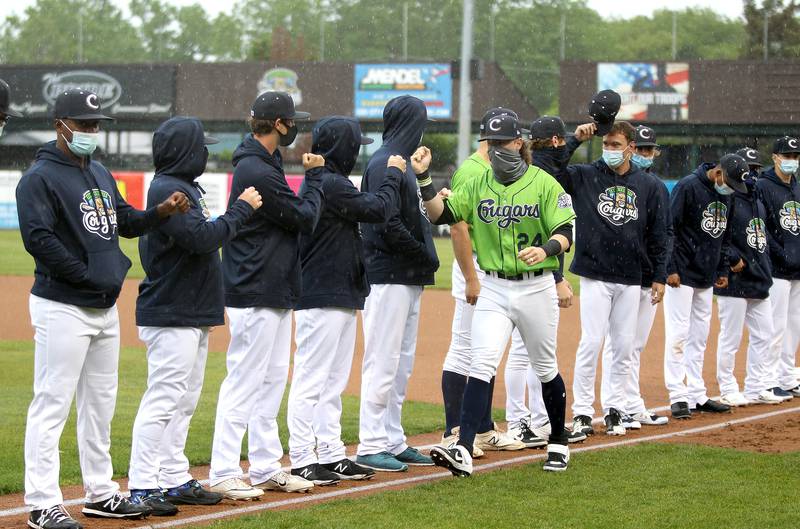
507	165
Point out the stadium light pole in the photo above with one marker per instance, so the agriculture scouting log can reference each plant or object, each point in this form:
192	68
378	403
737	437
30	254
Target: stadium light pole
464	86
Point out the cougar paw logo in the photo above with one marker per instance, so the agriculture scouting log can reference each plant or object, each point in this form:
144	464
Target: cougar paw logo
99	215
618	205
790	217
715	219
757	235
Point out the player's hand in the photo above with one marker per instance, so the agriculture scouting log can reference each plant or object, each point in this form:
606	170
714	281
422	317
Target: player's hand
311	161
656	293
444	192
585	131
252	197
473	290
176	203
532	255
738	267
721	282
564	293
674	280
397	161
421	160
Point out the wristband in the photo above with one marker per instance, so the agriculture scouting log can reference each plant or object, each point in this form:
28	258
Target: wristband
424	179
551	248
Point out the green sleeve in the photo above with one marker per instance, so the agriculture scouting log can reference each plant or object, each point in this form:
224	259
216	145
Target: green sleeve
557	206
460	203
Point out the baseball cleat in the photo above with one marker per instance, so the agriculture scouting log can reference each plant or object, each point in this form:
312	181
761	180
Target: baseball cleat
582	424
236	489
613	422
414	458
734	399
795	391
118	507
680	410
456	459
712	406
557	458
55	517
781	393
154	498
285	482
192	493
630	423
497	440
766	397
575	437
651	419
452	439
316	474
346	469
382	462
523	433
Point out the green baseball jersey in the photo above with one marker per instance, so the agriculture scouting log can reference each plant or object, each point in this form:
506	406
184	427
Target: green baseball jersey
473	167
506	219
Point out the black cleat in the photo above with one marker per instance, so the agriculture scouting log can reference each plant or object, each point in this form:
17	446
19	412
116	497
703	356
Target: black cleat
192	493
347	469
318	474
712	406
117	506
680	410
154	499
56	517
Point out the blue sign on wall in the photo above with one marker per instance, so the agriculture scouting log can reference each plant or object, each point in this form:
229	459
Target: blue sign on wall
376	84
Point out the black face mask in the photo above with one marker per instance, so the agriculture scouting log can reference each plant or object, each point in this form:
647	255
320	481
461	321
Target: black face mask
557	156
288	138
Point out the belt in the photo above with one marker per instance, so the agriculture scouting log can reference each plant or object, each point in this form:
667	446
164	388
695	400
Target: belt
518	277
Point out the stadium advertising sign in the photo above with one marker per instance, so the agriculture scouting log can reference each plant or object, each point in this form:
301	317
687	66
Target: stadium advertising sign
653	92
123	91
281	80
376	84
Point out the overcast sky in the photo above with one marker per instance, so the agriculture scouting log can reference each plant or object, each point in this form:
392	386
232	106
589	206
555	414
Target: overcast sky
607	8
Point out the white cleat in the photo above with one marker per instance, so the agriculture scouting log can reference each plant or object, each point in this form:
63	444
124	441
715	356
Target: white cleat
237	489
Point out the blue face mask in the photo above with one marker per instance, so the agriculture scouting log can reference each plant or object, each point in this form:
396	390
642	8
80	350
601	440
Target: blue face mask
613	159
789	166
723	189
642	162
83	143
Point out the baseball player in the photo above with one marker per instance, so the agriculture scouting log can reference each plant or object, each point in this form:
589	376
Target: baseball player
334	288
174	316
261	275
634	412
521	220
619	221
71	216
780	194
400	260
5	110
700	207
745	300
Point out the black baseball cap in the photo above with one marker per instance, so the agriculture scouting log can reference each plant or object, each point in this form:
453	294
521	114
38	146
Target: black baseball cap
274	105
492	113
79	104
5	96
503	127
645	137
603	108
546	127
750	156
735	170
786	145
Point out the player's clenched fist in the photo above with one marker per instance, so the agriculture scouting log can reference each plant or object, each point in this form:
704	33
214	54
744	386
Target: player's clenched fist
176	203
397	161
310	161
421	160
252	197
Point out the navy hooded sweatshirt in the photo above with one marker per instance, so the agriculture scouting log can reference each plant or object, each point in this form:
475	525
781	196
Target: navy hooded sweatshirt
333	256
261	265
619	223
648	274
701	236
400	250
748	243
782	204
183	286
70	218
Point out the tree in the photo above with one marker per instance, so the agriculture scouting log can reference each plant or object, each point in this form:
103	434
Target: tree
782	24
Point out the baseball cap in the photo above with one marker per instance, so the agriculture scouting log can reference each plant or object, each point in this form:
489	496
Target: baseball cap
645	137
4	99
546	127
735	170
503	127
79	104
786	145
274	105
492	113
750	156
603	108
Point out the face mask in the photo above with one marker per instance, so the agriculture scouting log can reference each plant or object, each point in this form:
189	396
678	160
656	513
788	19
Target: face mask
83	143
507	165
288	138
789	166
613	159
642	162
556	155
723	189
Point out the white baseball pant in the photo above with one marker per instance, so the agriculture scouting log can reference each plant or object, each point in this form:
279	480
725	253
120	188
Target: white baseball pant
76	353
519	375
606	308
391	317
176	363
645	315
326	339
734	313
687	318
785	297
459	354
251	394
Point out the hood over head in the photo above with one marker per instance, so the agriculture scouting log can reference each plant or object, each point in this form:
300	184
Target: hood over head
404	121
338	139
179	148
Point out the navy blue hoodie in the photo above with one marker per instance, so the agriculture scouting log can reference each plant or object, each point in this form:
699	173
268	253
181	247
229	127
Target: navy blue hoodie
748	243
782	204
701	238
70	218
333	256
619	223
261	265
400	250
183	286
648	275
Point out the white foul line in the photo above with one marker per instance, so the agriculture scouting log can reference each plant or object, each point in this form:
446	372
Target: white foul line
439	475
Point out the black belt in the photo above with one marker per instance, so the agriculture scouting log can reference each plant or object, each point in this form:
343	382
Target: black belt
518	277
